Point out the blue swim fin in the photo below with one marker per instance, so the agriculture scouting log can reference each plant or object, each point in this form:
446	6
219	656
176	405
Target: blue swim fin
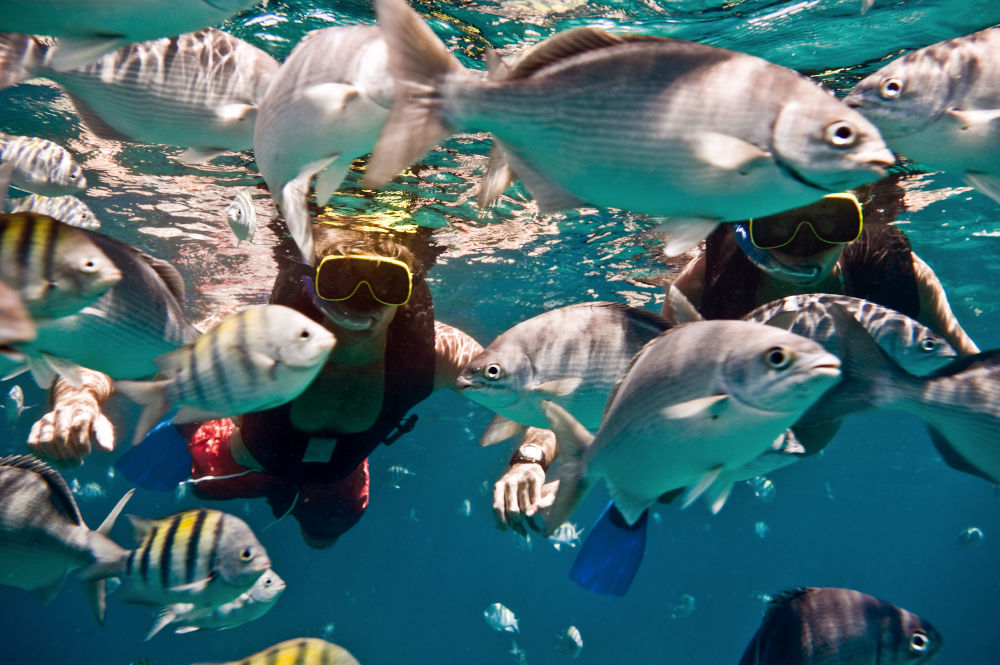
610	556
160	461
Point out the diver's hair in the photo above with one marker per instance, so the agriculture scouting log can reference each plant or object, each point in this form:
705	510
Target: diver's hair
882	200
337	240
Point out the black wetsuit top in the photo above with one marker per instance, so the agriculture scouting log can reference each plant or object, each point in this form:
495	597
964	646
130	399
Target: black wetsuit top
279	446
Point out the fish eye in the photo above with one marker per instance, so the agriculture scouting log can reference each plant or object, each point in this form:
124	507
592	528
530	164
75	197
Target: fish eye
841	134
246	554
919	642
779	357
304	334
88	266
493	371
891	88
928	344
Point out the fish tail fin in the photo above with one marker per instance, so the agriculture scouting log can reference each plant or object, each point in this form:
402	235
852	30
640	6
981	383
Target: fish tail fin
160	462
418	61
150	394
573	440
21	56
610	556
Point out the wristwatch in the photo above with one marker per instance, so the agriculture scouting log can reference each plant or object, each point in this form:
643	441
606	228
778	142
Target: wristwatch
529	453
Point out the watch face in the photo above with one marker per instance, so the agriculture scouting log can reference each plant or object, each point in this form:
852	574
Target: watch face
531	451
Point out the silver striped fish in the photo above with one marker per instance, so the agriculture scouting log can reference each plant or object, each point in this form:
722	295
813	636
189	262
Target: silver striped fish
325	107
43	536
255	359
242	217
56	269
202	556
67	209
917	348
301	651
253	604
90	28
41	166
197	90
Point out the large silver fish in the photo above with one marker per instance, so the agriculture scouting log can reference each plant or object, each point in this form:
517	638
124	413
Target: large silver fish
648	124
198	90
41	166
940	106
827	626
123	332
255	359
917	348
67	209
199	556
572	356
56	269
251	605
42	533
87	29
325	107
697	404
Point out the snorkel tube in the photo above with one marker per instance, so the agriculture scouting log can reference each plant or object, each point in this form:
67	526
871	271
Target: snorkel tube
769	264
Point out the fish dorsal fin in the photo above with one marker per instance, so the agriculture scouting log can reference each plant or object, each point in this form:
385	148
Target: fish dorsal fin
787	596
565	45
61	494
168	273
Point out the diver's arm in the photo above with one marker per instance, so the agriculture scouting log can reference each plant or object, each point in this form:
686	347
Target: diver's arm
63	435
683	297
453	350
935	311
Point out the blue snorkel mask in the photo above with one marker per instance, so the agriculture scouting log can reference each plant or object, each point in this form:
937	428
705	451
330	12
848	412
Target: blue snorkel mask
766	261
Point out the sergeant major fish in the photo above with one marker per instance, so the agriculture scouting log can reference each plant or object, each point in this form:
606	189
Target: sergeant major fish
42	533
204	557
827	626
67	209
242	217
256	359
501	618
301	651
697	403
648	124
571	356
41	166
570	642
940	106
248	606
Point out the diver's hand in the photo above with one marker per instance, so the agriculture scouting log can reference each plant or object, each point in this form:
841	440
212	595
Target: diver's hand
519	495
63	436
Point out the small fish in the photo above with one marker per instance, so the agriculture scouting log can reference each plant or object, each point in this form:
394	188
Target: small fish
242	217
14	406
683	607
500	618
255	359
763	488
397	474
570	642
939	106
733	387
761	529
465	509
67	209
301	651
520	655
917	348
87	491
198	90
566	534
572	356
41	166
590	118
251	605
87	29
204	557
827	626
56	269
970	537
325	107
43	536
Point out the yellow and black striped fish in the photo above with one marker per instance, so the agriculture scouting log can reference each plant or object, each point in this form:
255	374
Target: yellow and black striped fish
301	651
55	268
201	556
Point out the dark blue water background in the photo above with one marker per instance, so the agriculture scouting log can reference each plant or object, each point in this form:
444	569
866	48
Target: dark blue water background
877	511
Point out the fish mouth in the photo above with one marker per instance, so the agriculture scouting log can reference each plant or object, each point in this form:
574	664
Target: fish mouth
462	383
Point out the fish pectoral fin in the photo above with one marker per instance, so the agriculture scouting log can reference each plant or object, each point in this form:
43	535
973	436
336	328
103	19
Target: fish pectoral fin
630	506
975	121
75	52
233	113
329	178
985	184
683	233
185	629
710	406
728	152
195	587
499	176
331	97
163	619
719	491
500	429
560	387
549	196
696	490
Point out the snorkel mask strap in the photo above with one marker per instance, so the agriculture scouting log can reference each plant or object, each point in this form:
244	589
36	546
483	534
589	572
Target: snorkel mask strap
768	263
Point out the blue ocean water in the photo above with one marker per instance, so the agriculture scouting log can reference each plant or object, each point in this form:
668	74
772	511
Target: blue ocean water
877	510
